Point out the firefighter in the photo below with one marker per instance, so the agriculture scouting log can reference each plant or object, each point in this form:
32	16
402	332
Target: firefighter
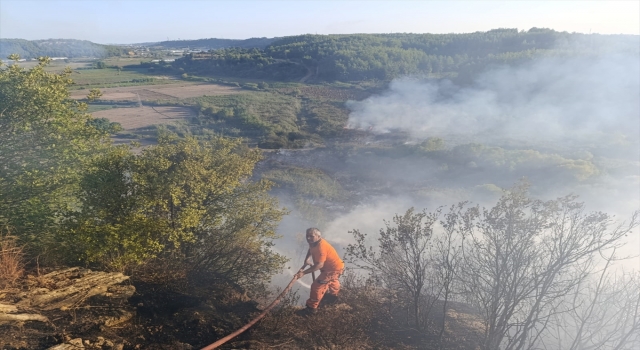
322	257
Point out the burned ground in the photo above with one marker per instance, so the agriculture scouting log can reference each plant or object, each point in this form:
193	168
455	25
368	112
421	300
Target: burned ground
194	312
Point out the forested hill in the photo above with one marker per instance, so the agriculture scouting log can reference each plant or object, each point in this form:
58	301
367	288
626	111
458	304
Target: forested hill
386	56
212	43
57	48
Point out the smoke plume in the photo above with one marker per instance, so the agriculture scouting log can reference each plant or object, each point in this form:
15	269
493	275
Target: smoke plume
586	100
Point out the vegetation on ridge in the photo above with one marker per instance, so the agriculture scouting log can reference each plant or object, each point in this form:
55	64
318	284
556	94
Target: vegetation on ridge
357	57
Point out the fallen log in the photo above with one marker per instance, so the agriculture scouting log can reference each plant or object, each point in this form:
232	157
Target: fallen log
91	283
17	318
8	308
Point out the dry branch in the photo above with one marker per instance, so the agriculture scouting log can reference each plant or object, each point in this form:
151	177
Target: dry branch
89	284
17	318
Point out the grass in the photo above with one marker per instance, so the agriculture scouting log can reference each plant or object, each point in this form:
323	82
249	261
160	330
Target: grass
278	117
111	77
263	110
99	107
11	265
325	118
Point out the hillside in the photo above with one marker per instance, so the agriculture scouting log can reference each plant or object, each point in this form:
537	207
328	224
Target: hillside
357	57
211	43
69	48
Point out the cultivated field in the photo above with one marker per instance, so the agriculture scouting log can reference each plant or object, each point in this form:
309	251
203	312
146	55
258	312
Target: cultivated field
160	92
140	117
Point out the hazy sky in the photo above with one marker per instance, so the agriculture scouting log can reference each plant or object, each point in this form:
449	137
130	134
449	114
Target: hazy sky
132	21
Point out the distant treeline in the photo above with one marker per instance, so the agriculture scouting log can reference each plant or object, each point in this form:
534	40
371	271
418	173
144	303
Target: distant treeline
386	56
212	43
57	48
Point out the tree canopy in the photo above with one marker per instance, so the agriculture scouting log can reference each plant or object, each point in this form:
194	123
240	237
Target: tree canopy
353	57
65	188
45	142
179	196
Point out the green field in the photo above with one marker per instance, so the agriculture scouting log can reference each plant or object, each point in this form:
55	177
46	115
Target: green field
111	77
85	76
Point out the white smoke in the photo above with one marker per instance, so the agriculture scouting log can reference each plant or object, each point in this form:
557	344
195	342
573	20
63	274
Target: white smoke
585	100
578	107
584	108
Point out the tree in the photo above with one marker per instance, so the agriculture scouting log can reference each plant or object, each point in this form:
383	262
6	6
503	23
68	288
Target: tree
402	259
45	142
105	126
531	268
523	257
603	312
94	94
448	252
184	199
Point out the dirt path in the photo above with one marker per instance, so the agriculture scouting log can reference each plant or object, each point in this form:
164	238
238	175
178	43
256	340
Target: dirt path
309	74
309	70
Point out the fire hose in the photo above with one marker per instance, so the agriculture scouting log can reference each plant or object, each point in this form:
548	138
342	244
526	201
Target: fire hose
263	313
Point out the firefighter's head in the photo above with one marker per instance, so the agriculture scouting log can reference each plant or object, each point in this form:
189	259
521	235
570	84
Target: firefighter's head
313	235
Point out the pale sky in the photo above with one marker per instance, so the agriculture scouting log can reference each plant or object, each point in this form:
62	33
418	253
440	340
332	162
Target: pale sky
134	21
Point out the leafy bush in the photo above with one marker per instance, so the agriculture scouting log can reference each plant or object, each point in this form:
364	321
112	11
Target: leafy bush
46	145
182	199
105	126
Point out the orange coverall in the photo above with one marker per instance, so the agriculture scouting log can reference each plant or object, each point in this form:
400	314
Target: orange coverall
329	273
